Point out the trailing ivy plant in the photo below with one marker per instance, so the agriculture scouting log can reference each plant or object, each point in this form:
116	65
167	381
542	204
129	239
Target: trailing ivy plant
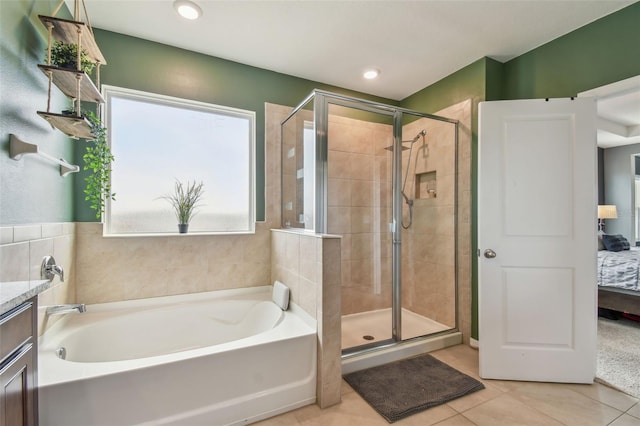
97	161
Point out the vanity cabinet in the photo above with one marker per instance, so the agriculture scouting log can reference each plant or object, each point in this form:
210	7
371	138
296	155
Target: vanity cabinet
18	365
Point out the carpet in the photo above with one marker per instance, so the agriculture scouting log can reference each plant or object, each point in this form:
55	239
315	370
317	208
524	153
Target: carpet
402	388
619	354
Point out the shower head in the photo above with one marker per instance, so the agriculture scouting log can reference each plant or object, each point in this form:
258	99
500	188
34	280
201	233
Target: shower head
421	134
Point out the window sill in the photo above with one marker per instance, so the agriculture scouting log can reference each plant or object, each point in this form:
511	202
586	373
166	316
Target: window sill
175	234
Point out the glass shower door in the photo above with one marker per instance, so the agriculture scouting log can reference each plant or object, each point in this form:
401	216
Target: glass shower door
359	189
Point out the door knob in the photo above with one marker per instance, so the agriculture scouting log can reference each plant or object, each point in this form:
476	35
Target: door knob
489	254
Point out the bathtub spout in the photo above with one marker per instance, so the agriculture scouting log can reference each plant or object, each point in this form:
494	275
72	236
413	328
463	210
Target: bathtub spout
65	309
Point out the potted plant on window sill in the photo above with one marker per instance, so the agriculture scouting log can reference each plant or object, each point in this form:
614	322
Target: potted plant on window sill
184	200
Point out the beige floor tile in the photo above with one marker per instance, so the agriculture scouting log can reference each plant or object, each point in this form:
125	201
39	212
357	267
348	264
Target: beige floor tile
458	420
563	404
503	385
469	401
345	388
626	420
506	403
635	411
506	410
428	417
461	357
606	395
353	410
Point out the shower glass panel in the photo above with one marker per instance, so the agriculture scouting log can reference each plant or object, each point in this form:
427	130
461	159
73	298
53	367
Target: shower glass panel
429	213
384	179
298	168
359	208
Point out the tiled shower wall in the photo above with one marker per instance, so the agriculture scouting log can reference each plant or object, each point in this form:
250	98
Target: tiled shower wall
360	210
307	264
429	244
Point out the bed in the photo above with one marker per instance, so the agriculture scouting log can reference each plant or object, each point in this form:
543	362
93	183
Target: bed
619	280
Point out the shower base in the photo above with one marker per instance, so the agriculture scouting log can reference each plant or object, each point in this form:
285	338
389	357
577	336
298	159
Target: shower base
376	325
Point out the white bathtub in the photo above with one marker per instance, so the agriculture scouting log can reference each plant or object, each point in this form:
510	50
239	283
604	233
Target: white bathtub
218	358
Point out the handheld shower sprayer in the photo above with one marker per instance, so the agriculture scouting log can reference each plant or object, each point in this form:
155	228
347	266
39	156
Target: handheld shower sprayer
408	200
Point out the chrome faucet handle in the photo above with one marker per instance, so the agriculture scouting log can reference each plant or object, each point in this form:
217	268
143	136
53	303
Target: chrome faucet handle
57	269
49	269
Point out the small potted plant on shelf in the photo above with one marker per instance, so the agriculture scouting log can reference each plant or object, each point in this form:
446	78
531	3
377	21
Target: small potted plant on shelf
185	199
97	161
65	55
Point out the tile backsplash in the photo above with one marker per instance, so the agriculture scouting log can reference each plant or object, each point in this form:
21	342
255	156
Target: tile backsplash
22	248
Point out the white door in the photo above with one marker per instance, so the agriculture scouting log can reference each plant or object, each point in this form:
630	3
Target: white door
537	240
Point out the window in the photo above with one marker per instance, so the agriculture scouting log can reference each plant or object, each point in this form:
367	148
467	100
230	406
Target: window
157	140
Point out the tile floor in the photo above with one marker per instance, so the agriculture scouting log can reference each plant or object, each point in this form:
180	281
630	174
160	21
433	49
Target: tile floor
501	403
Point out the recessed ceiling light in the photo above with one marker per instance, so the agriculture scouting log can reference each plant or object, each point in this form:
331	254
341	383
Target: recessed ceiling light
187	9
371	73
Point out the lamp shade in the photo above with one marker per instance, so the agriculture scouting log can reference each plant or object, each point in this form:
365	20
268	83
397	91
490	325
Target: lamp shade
607	212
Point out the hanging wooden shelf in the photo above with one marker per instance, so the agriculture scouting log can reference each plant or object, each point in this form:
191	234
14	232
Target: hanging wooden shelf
68	31
71	125
66	80
74	83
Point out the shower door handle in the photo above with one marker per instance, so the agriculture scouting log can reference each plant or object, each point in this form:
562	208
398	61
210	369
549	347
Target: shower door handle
489	254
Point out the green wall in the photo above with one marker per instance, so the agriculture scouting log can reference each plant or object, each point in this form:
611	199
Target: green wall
603	52
153	67
31	189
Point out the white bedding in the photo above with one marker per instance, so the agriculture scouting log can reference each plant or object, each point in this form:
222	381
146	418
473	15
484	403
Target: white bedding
619	269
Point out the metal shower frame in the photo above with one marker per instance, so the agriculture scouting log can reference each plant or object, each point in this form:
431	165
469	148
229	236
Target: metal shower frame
321	100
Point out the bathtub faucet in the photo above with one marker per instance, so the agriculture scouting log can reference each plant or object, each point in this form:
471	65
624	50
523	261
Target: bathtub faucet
65	309
49	269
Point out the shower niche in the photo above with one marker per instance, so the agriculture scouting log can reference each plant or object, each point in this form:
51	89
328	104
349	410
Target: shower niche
384	179
426	185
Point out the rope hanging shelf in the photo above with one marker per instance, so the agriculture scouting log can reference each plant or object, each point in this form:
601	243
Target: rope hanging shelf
74	83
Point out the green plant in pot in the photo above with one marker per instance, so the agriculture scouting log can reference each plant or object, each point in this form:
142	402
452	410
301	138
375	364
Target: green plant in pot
65	55
184	200
97	161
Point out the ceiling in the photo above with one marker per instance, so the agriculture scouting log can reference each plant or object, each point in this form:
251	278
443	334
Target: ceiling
413	43
618	112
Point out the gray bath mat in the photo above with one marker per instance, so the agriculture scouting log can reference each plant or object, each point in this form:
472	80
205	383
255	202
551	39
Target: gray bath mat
406	387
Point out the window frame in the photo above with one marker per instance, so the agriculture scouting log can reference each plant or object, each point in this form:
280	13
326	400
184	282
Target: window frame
110	91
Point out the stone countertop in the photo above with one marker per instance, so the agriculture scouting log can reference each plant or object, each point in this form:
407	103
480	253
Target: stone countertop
13	293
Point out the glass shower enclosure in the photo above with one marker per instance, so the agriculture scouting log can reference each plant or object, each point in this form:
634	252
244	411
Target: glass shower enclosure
385	180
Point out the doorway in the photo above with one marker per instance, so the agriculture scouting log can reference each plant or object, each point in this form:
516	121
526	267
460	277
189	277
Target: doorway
619	186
